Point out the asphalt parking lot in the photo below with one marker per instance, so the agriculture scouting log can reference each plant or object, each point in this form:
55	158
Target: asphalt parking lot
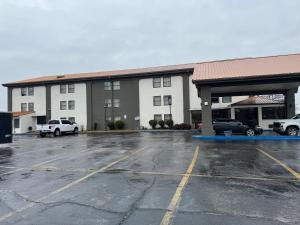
148	178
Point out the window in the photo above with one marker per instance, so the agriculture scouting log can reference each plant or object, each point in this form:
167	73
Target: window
116	85
63	88
71	105
107	85
107	102
31	91
65	122
53	122
116	103
215	100
157	100
23	91
167	100
23	107
108	118
167	117
72	119
273	113
63	105
17	123
157	117
63	118
117	118
226	99
157	82
71	88
31	107
167	81
41	120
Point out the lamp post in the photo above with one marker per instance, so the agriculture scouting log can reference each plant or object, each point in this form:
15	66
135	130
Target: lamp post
105	125
170	104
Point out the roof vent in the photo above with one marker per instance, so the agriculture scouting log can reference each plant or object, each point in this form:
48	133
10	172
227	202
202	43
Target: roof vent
60	76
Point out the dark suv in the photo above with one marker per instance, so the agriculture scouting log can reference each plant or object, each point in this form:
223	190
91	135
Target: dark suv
223	124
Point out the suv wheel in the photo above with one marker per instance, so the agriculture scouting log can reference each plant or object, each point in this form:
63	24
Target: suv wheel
292	131
56	133
75	130
250	132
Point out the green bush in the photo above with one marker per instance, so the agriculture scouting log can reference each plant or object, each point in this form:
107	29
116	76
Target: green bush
170	123
161	123
153	123
119	124
111	125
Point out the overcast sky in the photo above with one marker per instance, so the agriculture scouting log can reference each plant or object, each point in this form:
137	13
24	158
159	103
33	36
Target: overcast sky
45	37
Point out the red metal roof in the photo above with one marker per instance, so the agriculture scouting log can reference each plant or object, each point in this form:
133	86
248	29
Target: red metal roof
247	67
258	100
17	114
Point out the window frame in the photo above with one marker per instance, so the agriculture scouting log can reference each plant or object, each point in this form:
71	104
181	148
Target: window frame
29	108
30	91
276	114
24	109
71	88
116	85
154	83
167	82
18	123
63	103
107	85
166	100
114	103
170	117
73	105
108	102
23	91
154	101
157	115
63	89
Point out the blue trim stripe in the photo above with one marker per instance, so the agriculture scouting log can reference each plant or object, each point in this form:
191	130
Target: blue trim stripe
246	138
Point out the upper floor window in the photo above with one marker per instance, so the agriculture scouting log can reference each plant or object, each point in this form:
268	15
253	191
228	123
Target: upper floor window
63	105
167	100
157	100
23	91
226	99
107	85
215	99
71	105
23	107
116	103
156	82
30	91
167	81
107	102
31	107
116	85
71	88
63	88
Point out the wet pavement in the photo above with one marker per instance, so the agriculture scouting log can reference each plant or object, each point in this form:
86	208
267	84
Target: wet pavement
134	179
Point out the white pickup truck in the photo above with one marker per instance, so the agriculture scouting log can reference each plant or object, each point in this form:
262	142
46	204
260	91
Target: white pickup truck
288	126
57	127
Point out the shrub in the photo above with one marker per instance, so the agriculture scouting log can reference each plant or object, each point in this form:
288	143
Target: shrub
111	125
119	124
182	126
161	123
170	123
153	123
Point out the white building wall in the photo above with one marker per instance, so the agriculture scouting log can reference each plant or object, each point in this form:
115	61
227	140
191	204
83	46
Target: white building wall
146	93
80	111
26	121
39	100
195	101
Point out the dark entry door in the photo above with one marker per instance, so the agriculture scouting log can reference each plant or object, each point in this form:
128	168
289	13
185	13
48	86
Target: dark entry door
5	128
248	116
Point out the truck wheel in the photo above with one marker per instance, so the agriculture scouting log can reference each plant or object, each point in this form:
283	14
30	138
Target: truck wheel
56	133
75	130
42	134
292	131
250	132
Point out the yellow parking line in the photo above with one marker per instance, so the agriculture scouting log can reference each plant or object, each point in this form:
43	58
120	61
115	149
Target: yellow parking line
30	205
177	196
287	168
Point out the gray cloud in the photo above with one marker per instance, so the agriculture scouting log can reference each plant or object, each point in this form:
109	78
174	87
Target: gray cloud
40	37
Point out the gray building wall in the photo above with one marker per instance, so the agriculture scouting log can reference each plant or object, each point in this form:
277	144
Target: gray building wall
9	99
186	98
129	102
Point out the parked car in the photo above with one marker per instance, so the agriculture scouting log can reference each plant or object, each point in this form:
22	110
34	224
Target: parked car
287	126
223	124
57	128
